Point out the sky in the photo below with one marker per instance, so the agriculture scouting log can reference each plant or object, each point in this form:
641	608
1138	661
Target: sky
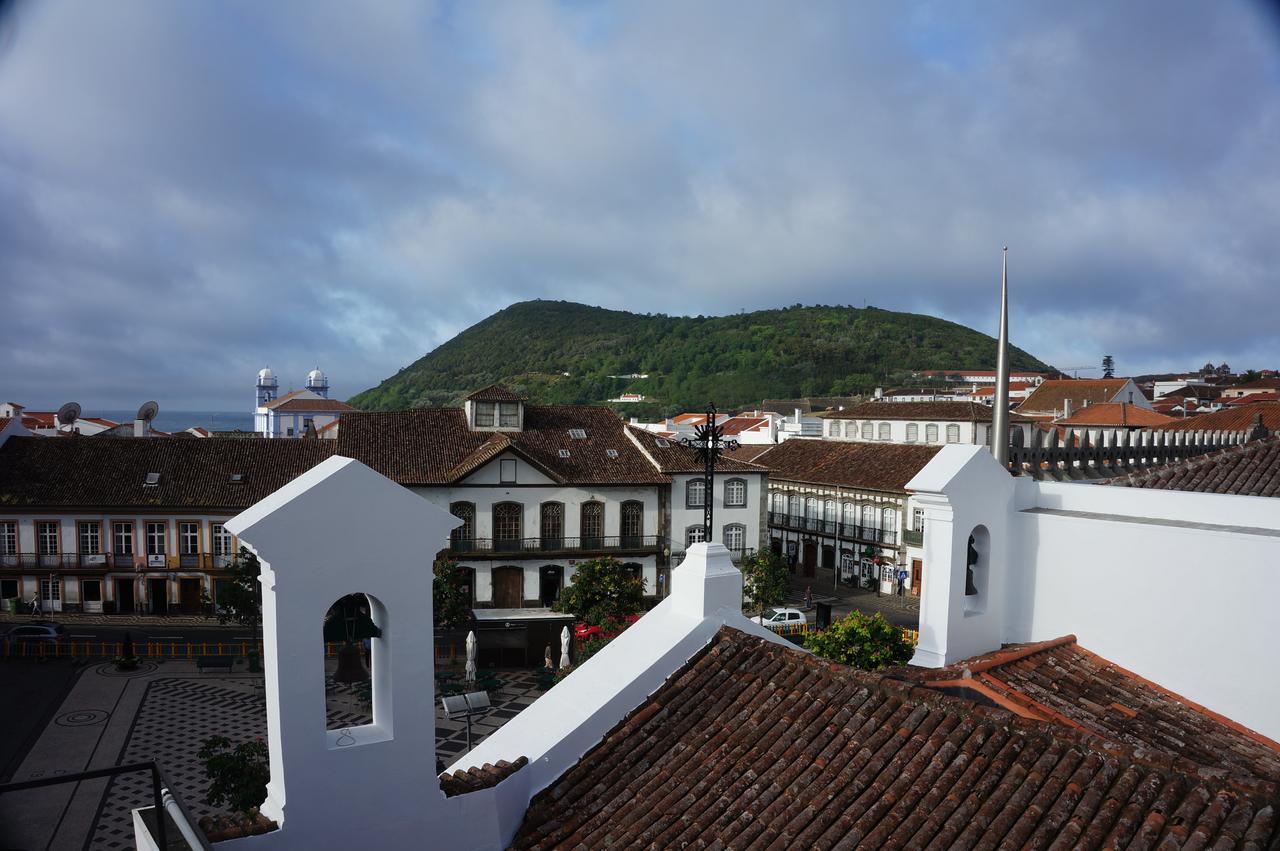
191	191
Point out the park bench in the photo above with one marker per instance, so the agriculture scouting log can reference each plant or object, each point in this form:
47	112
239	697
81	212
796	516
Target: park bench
224	662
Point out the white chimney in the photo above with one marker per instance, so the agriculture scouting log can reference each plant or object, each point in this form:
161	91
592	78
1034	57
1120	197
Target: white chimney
1066	408
797	416
139	428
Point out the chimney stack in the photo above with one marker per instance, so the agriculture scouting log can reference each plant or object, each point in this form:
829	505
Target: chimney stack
1066	408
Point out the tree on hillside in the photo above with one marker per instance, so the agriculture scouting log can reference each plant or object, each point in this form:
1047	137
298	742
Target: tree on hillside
602	593
1108	366
864	641
765	580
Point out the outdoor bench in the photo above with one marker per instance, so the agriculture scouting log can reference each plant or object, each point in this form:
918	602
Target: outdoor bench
224	662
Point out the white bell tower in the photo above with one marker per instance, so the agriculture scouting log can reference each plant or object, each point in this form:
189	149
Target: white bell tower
268	387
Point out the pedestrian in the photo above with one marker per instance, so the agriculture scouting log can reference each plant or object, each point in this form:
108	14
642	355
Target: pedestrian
902	583
808	597
36	611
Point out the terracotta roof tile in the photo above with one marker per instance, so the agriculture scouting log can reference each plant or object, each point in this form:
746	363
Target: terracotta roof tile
675	457
755	745
428	446
1249	469
310	405
466	780
496	393
105	472
1115	414
957	411
1049	396
1062	682
875	466
1231	419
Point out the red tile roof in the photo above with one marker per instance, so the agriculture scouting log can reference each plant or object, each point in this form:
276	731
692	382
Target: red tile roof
1115	414
109	472
965	412
756	745
675	457
428	446
1061	682
1050	395
737	425
1231	419
1250	469
309	405
873	466
496	393
1253	398
466	780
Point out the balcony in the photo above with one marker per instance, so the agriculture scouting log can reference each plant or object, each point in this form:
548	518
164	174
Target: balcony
913	537
845	531
614	544
81	562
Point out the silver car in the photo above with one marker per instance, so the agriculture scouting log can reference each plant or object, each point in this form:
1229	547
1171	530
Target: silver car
28	637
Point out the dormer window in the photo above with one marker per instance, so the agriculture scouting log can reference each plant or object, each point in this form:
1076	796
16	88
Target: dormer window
564	453
484	413
578	434
509	414
152	480
612	453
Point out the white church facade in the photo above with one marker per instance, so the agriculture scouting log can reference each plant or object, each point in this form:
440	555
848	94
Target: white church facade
297	413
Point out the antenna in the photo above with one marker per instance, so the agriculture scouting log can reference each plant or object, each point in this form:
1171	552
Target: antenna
69	413
148	411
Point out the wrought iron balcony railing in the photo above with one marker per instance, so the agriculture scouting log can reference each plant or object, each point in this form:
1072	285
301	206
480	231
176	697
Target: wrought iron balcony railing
600	544
43	562
849	531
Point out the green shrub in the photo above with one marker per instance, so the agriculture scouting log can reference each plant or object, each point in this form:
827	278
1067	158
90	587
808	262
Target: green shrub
864	641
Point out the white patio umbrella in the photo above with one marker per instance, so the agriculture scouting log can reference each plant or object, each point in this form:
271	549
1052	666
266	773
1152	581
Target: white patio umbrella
564	647
471	657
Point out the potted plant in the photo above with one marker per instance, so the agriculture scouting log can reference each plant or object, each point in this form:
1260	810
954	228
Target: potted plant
237	780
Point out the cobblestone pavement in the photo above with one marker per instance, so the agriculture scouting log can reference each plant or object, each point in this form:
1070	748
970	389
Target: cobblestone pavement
163	712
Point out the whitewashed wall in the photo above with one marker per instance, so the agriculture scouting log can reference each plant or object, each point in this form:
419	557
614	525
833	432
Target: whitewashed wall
1179	588
751	515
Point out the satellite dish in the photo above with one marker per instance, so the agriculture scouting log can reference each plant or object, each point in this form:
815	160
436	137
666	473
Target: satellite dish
148	411
69	413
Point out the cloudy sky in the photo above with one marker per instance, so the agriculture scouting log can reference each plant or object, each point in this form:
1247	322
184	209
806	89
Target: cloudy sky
191	191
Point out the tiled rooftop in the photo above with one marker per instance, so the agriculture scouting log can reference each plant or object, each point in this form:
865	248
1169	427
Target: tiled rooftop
755	745
1249	469
1049	396
1061	682
955	411
675	457
496	393
466	780
1240	418
875	466
1116	414
435	446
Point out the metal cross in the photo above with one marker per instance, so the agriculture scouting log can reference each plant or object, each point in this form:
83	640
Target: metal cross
708	442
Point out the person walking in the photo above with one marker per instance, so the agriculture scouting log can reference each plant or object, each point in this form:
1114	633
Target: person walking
808	597
36	611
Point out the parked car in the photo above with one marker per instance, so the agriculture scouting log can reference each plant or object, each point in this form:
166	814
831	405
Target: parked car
777	617
32	635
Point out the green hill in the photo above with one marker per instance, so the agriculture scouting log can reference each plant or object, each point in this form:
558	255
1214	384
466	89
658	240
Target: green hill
734	360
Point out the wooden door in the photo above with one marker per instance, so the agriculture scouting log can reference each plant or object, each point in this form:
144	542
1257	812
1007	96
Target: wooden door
189	595
508	587
810	558
917	576
124	596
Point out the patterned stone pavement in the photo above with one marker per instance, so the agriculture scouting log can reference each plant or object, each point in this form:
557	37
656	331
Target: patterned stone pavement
177	713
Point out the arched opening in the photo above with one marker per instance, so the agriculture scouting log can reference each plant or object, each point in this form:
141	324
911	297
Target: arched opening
632	524
463	537
507	526
977	570
552	526
353	631
550	582
591	528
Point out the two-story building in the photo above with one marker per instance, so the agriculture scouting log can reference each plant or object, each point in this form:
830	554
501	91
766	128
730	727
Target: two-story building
114	524
542	488
841	512
929	423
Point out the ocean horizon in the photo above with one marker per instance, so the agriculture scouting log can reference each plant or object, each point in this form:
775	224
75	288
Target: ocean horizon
172	421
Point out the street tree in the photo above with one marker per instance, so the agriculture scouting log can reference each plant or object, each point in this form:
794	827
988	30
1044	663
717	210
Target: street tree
602	593
765	580
450	595
864	641
1108	366
240	599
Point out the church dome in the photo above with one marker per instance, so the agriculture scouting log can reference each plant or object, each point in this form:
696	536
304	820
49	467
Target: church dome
315	378
266	376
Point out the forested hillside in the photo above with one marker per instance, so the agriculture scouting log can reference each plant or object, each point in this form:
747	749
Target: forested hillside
562	352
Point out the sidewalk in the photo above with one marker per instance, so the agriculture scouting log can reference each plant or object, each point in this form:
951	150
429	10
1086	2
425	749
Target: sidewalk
80	619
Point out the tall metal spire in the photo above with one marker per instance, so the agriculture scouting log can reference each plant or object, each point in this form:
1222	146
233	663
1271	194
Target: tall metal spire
1000	416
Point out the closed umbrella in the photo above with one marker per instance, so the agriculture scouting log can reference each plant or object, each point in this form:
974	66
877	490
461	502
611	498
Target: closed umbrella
564	648
471	657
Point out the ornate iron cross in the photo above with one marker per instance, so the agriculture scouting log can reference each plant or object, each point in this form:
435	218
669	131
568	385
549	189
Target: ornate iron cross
708	442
